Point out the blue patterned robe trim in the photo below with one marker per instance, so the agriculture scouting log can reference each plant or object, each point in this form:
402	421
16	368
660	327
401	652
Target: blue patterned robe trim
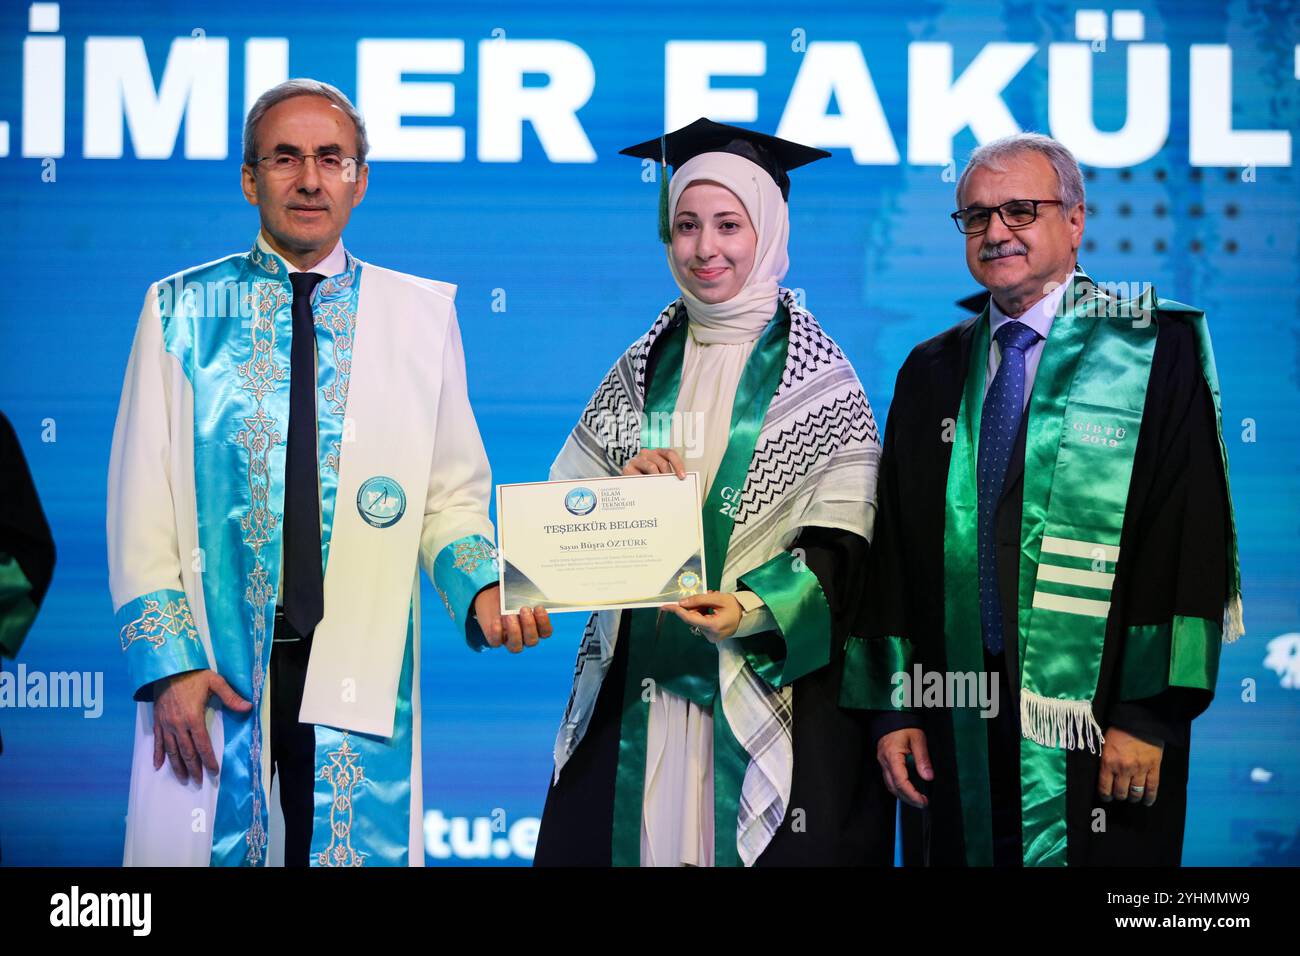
461	570
159	638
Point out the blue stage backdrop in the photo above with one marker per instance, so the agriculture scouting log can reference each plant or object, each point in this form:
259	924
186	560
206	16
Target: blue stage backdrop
496	129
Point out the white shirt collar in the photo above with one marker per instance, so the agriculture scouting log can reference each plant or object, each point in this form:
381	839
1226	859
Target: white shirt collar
1038	316
333	264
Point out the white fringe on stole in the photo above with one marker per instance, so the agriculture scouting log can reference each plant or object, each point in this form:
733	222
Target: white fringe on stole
1067	724
1233	625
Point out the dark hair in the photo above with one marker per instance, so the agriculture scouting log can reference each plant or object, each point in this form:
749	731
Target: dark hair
301	87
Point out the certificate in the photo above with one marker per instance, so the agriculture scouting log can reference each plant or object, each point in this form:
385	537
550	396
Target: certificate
600	544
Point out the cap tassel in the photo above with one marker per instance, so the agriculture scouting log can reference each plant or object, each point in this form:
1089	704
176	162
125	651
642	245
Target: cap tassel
665	234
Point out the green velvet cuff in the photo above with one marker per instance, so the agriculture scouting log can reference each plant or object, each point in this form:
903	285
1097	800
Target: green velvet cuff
794	598
17	612
869	669
1179	653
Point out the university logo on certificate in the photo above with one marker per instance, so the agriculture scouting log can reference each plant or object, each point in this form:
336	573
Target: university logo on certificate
600	544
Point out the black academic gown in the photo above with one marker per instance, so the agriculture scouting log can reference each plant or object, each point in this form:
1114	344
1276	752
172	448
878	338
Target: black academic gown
24	534
848	815
1173	561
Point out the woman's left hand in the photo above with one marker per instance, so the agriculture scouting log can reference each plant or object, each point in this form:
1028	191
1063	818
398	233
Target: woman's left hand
716	614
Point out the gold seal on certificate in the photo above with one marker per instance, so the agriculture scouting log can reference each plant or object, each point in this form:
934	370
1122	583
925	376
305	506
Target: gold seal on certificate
601	543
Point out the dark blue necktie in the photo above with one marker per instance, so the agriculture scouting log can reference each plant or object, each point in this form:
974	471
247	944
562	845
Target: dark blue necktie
999	423
304	594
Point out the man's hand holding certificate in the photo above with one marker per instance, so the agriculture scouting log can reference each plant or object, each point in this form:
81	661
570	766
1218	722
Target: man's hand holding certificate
600	544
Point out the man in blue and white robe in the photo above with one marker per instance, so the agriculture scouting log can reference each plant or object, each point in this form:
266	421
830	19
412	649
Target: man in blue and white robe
198	554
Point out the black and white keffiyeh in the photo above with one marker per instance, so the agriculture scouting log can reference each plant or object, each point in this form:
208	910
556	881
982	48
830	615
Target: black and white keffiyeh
814	464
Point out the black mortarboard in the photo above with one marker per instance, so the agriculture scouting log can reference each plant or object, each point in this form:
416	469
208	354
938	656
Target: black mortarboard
774	156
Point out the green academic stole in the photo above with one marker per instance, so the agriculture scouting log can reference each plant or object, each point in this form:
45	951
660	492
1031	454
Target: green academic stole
1082	431
663	654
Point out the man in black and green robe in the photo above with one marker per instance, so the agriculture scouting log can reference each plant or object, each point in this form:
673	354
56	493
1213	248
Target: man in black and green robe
1076	552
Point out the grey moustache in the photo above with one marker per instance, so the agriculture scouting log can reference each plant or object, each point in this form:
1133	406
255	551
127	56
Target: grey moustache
1001	251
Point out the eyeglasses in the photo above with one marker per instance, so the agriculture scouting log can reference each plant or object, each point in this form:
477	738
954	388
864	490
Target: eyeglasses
286	164
1014	213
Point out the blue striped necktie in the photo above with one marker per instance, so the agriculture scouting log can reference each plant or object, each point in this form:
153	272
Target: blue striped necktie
999	424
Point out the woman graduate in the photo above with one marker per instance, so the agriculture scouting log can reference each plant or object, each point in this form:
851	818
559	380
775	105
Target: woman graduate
708	732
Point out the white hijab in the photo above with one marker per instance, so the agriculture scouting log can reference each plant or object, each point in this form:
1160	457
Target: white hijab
744	316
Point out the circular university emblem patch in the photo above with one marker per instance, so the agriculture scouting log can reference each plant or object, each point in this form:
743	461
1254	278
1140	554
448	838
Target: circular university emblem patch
580	501
381	501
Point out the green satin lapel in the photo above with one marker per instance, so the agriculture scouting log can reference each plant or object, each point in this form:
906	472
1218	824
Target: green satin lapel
963	642
1081	430
629	781
683	663
663	654
1084	418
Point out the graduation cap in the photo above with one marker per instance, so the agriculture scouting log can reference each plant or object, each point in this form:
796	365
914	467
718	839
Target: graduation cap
774	156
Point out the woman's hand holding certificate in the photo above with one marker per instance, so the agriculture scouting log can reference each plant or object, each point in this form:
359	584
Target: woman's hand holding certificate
714	615
656	461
